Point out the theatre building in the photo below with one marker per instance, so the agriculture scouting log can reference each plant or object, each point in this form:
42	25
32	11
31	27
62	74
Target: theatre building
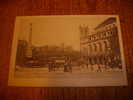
102	46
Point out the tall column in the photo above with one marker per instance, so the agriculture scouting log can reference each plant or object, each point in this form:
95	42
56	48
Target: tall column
29	48
30	35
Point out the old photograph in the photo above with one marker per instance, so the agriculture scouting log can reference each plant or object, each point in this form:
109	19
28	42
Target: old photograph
68	50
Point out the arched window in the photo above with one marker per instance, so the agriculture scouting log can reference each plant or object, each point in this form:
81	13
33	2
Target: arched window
106	28
89	49
105	45
100	46
95	47
114	29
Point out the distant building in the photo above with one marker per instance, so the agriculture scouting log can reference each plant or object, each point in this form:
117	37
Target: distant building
84	33
24	50
21	52
102	46
46	51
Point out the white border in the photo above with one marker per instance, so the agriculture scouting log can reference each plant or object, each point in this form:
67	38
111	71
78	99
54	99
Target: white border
47	82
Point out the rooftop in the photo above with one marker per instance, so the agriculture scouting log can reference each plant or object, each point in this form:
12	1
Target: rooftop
106	22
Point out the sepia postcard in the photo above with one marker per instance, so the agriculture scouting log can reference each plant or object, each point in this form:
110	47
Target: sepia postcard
67	51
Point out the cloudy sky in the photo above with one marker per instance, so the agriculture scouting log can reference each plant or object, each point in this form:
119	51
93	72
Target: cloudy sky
56	30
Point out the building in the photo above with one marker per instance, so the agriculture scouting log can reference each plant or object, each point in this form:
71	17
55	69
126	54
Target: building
25	50
21	52
102	46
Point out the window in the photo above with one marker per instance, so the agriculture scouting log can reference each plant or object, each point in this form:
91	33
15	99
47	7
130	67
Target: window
105	45
89	48
100	46
95	47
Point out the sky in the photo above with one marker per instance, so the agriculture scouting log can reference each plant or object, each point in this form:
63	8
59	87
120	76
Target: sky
56	30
